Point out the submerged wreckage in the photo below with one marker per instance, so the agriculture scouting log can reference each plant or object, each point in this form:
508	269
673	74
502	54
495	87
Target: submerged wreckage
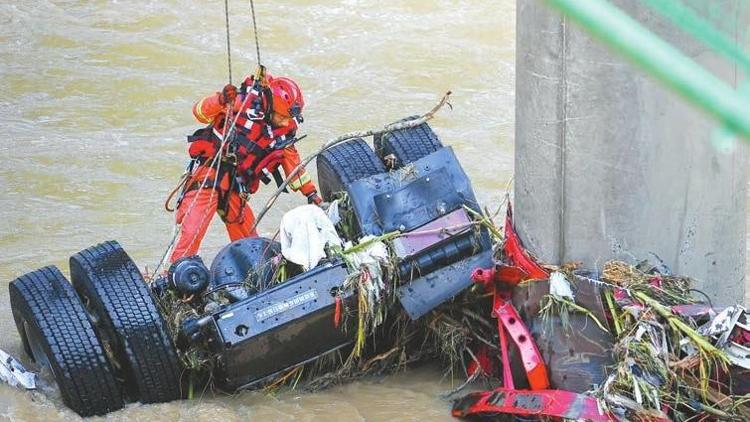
420	272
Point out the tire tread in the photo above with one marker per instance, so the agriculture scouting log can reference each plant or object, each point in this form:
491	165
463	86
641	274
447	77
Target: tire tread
344	164
106	274
81	369
407	145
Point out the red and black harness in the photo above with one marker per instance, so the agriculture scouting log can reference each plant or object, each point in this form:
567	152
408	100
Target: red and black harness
252	155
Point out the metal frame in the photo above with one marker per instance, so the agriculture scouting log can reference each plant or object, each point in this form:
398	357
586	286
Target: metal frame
539	401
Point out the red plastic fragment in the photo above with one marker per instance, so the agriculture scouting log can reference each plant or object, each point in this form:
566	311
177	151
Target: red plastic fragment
516	255
337	312
485	362
550	403
504	274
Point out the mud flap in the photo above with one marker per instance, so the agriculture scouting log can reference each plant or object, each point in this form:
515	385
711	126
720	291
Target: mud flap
416	204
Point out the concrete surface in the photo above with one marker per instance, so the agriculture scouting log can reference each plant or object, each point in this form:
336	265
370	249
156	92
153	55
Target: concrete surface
611	165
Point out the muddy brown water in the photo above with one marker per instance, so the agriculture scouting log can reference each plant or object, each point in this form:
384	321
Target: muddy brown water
95	100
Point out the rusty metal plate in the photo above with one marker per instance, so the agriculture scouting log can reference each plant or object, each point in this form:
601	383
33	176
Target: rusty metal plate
740	381
576	356
432	233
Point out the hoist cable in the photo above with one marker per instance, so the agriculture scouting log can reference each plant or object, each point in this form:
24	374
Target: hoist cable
229	48
255	29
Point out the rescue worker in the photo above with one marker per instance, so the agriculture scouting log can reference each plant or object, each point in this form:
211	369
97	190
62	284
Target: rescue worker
268	112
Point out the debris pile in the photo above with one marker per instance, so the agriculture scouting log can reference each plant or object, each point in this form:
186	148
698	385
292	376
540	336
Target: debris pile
671	353
675	358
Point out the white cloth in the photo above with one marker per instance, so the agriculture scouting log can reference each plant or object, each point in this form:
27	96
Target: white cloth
305	231
333	212
559	286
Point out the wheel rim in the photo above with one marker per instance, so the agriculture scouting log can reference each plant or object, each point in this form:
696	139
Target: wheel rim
106	336
37	350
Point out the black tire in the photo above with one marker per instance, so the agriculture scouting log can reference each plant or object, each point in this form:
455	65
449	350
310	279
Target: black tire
346	163
406	145
57	331
113	289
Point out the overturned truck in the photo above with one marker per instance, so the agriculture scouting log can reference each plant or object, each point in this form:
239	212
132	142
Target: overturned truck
107	342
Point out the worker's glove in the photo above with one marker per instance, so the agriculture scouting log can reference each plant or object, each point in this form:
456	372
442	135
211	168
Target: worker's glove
228	94
313	198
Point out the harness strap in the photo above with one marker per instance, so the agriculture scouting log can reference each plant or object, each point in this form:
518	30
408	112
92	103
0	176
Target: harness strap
208	184
278	179
198	135
252	147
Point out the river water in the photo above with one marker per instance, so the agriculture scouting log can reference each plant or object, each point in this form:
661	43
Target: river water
95	97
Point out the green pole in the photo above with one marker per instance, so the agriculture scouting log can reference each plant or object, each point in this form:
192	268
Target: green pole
667	64
701	29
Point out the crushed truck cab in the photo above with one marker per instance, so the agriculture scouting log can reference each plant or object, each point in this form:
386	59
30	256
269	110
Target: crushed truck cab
428	198
116	322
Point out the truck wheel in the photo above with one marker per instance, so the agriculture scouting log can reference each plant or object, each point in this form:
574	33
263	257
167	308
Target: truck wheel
346	163
56	330
399	148
124	312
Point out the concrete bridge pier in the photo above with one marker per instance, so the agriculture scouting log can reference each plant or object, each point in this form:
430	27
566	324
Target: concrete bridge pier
609	164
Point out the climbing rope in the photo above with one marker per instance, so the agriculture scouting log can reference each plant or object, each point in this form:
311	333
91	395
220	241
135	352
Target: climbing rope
214	165
213	169
345	137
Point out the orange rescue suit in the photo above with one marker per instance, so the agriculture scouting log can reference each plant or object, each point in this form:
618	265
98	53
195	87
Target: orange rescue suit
201	200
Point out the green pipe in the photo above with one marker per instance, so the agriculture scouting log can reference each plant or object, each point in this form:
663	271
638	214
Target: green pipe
645	49
701	29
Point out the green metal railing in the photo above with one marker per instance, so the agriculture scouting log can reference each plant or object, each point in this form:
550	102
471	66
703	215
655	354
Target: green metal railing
665	62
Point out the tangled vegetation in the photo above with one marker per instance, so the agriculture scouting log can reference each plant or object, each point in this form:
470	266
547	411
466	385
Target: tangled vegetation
663	366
